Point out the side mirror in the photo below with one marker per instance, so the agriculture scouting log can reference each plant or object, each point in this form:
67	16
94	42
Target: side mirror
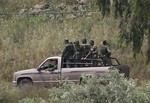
39	69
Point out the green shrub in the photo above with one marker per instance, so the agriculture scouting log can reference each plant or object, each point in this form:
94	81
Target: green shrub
117	89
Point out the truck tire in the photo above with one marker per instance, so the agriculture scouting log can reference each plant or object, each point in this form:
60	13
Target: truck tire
25	83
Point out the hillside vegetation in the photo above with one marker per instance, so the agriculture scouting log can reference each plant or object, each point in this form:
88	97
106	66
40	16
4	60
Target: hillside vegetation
26	40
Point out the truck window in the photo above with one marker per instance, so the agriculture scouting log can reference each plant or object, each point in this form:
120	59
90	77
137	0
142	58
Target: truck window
50	63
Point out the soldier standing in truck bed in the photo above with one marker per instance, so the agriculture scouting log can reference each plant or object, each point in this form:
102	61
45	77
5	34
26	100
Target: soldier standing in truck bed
85	48
68	51
105	54
93	53
78	51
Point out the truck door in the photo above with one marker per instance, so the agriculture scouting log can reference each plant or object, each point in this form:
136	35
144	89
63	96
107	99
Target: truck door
48	74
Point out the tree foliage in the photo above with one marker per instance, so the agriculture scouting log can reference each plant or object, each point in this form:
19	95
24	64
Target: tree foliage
134	22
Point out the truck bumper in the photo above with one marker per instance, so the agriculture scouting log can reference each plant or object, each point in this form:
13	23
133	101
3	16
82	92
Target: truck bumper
14	83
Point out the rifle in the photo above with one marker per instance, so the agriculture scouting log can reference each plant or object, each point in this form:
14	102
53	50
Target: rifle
75	55
89	52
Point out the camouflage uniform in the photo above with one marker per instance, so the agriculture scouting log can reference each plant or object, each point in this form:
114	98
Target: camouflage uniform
78	52
104	51
68	53
105	54
93	50
93	54
85	48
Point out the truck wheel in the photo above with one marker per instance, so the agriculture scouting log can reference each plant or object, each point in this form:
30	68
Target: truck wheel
25	83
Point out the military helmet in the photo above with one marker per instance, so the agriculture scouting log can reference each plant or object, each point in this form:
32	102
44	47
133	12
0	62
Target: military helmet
91	42
84	41
105	42
77	42
66	41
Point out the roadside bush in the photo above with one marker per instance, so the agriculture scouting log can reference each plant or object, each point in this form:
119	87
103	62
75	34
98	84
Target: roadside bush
116	90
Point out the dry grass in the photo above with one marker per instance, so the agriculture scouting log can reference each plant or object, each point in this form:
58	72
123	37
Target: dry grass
26	41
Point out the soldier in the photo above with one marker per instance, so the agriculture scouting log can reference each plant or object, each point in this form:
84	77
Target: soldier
77	47
93	53
105	54
71	50
68	51
85	48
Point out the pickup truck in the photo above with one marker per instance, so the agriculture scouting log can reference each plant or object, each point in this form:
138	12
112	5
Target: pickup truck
55	70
